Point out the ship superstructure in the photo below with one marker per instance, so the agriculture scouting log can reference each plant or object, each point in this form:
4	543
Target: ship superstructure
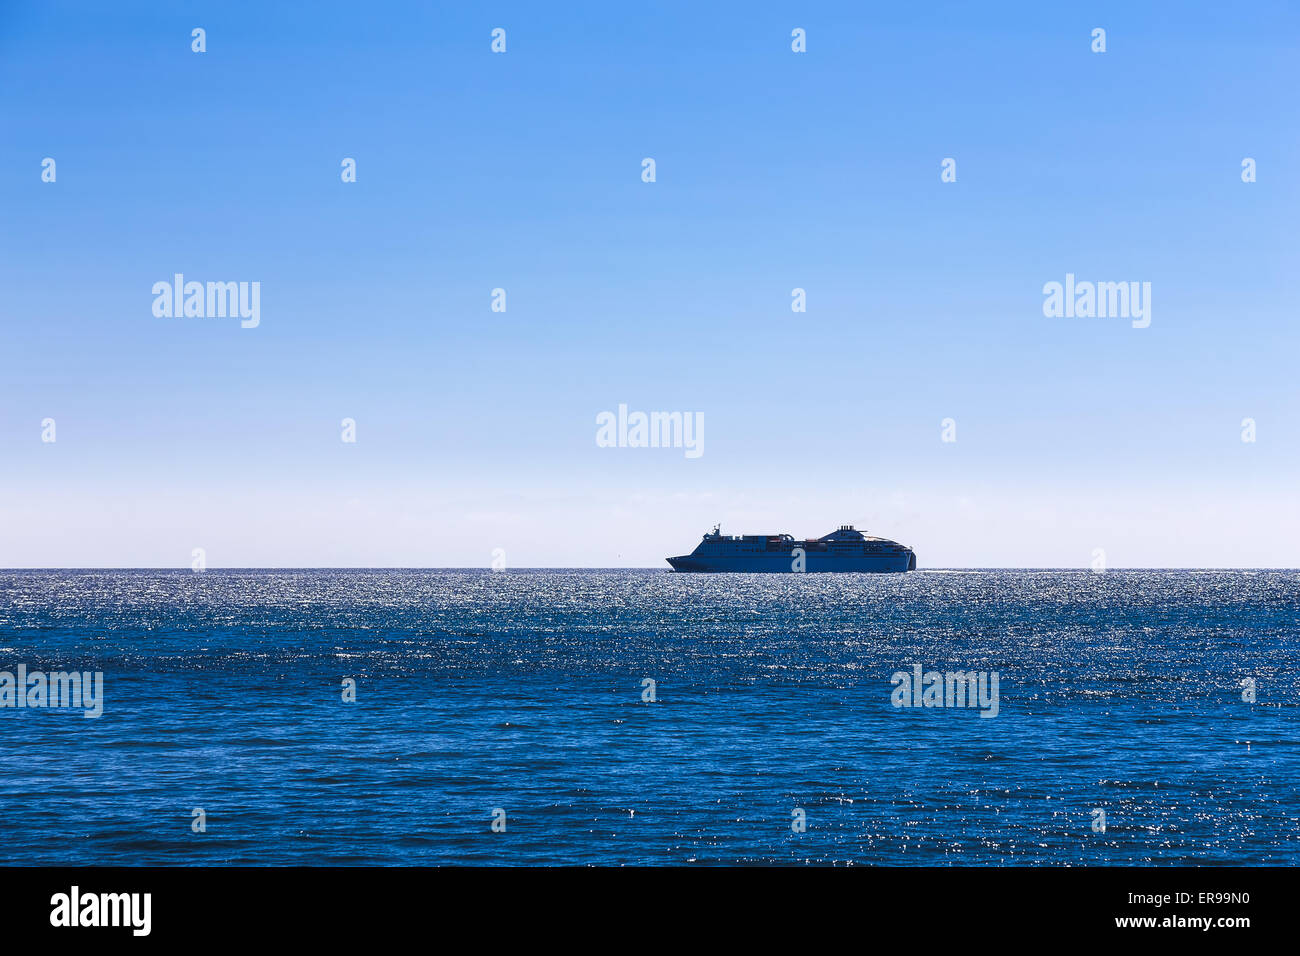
845	549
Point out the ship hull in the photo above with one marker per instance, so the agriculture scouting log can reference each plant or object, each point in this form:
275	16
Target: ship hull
888	563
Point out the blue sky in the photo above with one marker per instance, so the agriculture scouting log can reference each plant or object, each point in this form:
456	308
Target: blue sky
522	171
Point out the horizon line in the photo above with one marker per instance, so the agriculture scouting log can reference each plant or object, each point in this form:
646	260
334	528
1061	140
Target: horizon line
490	570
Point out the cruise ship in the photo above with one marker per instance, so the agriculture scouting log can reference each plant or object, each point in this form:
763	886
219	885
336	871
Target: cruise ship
844	550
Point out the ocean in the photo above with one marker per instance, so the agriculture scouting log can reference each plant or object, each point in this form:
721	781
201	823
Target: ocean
643	717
